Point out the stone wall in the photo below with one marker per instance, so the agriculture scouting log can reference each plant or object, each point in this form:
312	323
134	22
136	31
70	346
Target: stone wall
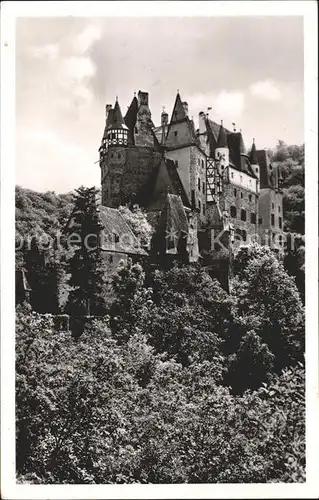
198	181
270	204
126	171
241	199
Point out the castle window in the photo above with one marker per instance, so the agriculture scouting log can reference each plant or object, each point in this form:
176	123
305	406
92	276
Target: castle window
279	208
235	192
280	222
203	163
253	218
244	235
250	197
260	220
280	240
233	212
199	206
176	133
136	131
241	195
111	258
176	163
198	183
204	209
232	175
272	206
116	237
272	219
243	214
203	187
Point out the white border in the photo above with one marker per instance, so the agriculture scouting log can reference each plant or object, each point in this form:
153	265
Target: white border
9	11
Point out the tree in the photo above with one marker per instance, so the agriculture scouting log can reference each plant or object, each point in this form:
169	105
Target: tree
267	300
86	266
94	411
137	220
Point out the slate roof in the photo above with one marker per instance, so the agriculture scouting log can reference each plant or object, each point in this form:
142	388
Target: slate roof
114	224
253	155
146	194
222	138
173	225
263	162
237	152
179	112
177	183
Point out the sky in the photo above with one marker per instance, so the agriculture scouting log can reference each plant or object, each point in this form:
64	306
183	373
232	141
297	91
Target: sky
249	70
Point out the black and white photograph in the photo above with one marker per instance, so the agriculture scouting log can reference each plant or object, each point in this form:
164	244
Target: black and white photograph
160	270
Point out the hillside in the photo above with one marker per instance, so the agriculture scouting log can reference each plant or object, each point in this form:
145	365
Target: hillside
291	160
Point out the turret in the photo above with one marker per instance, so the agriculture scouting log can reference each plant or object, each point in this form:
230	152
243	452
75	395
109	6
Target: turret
222	151
116	132
164	125
254	162
202	122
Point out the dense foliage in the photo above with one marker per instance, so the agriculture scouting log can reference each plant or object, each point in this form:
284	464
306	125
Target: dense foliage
38	214
98	411
291	160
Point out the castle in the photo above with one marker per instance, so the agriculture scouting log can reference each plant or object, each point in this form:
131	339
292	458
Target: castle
201	191
193	183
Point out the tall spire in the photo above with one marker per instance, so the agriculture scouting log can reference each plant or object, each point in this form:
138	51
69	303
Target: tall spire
117	118
253	154
179	111
222	137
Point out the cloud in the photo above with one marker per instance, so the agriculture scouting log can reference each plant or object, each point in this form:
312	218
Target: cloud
49	51
84	40
225	105
267	89
230	104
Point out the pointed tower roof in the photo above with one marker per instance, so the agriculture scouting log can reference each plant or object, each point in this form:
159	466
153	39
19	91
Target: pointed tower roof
115	118
131	114
253	154
222	137
179	112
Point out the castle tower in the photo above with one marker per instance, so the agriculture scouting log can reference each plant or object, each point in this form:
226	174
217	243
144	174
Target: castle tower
113	155
254	162
270	204
222	151
183	147
143	135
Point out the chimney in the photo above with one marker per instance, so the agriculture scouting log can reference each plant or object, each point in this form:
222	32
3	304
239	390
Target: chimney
185	106
142	98
201	122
